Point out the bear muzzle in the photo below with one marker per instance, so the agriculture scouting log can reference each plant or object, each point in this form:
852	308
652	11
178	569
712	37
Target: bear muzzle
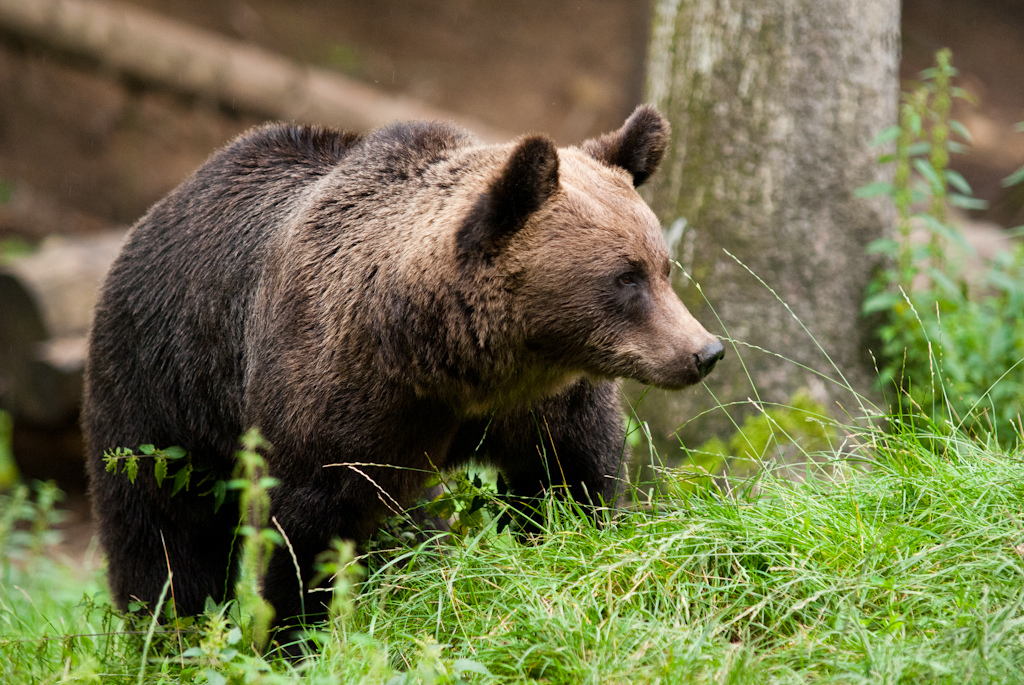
682	368
677	351
710	355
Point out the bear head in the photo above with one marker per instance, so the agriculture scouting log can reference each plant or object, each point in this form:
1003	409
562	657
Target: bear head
585	260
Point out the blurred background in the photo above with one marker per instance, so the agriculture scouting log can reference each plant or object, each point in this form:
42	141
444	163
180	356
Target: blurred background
92	133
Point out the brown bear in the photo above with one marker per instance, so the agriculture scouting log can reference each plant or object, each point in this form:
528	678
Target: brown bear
408	298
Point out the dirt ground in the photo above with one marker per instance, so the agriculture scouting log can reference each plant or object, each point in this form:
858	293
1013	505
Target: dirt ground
81	149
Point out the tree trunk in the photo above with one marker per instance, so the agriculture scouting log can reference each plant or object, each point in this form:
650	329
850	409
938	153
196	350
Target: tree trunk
773	105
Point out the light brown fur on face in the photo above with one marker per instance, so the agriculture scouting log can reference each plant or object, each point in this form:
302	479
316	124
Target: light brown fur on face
516	326
568	258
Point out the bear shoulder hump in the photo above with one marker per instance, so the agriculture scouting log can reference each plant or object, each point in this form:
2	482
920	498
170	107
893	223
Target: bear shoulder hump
291	145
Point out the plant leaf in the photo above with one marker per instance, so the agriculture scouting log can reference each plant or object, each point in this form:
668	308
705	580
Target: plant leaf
880	302
946	283
919	148
966	202
956	180
874	189
1014	178
181	479
915	123
160	471
175	452
885	135
886	246
960	130
131	467
220	490
470	666
946	230
964	95
1004	282
215	678
925	168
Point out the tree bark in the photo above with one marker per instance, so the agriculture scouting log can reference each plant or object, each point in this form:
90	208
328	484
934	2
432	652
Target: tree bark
773	105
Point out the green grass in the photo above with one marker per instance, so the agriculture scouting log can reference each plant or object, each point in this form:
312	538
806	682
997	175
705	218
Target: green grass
904	564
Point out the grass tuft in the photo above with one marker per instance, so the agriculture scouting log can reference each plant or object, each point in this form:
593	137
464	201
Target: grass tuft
902	562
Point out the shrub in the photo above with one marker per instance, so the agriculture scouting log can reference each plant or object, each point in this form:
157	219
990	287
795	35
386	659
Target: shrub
954	348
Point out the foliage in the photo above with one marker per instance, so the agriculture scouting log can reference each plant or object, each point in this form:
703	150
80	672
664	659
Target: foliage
468	500
258	538
12	248
27	515
956	348
908	571
125	460
9	474
797	430
251	487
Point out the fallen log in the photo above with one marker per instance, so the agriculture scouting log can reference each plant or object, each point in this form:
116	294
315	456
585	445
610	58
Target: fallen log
158	50
46	303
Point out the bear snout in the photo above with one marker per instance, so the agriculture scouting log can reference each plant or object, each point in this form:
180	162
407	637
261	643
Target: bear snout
683	367
706	359
677	351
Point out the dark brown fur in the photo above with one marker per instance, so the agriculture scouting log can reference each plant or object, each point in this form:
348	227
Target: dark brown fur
376	300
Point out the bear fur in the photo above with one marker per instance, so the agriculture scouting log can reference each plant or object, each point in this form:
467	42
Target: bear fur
402	301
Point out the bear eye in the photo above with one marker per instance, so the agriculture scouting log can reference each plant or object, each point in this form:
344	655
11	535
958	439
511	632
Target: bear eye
628	278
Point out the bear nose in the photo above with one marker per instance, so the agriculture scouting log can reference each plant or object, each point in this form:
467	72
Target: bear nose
708	357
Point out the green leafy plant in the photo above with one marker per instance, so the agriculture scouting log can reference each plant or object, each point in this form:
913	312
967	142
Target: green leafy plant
9	474
954	348
125	460
27	517
174	463
250	486
258	537
469	500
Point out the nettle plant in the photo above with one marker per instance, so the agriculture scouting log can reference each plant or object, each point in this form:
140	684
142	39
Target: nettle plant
952	347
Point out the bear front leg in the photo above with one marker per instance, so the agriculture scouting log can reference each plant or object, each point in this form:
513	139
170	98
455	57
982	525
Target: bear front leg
575	440
311	516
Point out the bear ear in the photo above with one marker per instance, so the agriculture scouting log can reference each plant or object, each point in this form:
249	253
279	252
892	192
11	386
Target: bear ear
528	179
637	147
